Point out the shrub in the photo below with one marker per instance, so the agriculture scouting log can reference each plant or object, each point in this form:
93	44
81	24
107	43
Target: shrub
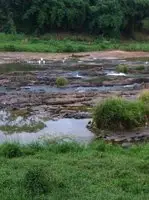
122	69
119	114
36	181
144	96
60	81
10	150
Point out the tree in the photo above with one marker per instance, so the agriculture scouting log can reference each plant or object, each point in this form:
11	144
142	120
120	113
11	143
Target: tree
134	11
106	17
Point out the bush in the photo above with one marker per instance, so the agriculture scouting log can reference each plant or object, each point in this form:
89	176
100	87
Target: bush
36	181
10	150
144	96
119	114
60	81
122	69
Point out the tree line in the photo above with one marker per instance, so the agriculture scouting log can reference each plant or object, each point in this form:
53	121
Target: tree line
105	17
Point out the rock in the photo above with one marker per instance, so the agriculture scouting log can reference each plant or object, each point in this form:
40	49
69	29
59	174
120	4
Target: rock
79	115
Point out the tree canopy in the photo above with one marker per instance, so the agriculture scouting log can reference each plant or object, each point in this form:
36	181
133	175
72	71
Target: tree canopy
106	17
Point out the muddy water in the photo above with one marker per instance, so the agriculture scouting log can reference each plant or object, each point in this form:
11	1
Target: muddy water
68	128
31	85
47	89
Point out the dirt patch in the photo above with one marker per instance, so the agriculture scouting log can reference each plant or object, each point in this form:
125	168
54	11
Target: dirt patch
21	56
119	54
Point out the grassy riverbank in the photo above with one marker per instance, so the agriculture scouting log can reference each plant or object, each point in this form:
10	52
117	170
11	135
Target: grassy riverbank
70	171
66	43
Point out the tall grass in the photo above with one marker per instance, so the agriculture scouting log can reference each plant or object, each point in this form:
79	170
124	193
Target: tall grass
119	114
10	150
144	96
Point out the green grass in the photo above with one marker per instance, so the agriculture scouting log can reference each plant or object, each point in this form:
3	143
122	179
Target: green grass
144	96
119	114
9	129
55	172
66	43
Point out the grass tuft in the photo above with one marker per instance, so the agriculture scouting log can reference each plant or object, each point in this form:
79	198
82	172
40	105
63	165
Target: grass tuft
36	181
119	114
10	150
61	81
144	96
65	147
122	69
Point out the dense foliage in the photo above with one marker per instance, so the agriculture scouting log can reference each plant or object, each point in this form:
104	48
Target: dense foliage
91	16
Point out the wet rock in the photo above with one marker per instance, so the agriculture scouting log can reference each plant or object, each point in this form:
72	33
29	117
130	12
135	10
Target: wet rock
4	81
89	125
79	115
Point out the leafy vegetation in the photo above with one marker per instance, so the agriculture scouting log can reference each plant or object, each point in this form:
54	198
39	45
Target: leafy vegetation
61	81
95	171
119	114
122	69
90	16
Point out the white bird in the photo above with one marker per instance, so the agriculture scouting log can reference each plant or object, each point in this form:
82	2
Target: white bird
146	63
80	61
41	61
78	76
64	59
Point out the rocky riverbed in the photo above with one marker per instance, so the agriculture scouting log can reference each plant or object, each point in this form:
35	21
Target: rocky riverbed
28	86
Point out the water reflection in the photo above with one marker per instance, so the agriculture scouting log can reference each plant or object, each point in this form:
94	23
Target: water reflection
73	128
